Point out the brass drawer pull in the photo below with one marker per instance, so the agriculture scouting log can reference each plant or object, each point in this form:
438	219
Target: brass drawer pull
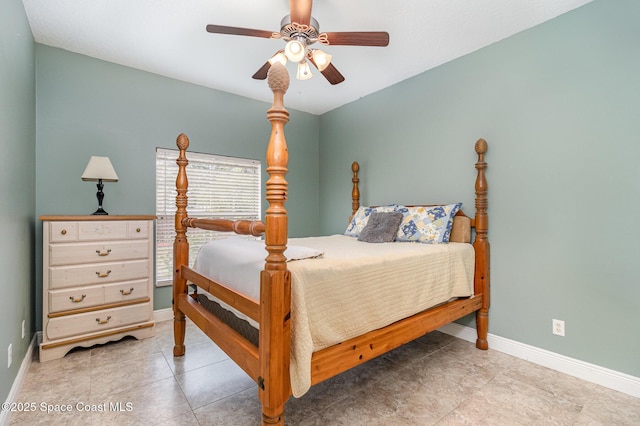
99	321
137	229
100	275
77	300
126	293
63	232
106	253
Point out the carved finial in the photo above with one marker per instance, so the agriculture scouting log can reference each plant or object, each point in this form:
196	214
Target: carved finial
481	146
355	167
278	78
182	141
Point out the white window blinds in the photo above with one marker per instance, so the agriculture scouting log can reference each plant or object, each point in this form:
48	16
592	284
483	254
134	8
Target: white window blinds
219	187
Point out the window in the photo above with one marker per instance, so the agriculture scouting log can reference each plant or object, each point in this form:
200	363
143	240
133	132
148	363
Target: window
219	187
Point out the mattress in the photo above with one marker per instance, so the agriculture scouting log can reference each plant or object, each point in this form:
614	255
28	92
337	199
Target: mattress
342	288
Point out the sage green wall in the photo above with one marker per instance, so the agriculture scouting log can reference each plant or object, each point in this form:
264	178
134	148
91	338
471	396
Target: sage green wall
90	107
17	186
559	107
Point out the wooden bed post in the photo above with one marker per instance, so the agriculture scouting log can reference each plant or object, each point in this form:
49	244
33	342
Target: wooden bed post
355	192
275	283
180	245
481	246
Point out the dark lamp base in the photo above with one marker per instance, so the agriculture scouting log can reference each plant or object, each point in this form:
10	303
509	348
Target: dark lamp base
100	212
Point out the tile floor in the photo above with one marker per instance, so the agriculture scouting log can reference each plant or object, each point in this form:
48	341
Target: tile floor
436	380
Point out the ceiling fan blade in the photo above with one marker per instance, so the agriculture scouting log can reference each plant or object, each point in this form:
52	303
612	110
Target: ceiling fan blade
261	74
300	11
331	73
359	38
221	29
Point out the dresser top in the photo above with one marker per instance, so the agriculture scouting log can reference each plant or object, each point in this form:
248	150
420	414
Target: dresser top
61	218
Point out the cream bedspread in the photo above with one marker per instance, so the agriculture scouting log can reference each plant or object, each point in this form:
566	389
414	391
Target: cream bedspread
356	287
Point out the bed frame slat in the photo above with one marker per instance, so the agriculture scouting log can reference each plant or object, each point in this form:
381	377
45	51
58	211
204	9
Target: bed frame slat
244	304
233	344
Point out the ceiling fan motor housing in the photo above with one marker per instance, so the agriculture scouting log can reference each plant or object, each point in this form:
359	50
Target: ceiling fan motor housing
293	30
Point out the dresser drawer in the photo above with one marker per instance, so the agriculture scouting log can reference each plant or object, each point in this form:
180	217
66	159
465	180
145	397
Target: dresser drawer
138	229
73	253
99	273
129	290
97	321
63	231
75	298
98	230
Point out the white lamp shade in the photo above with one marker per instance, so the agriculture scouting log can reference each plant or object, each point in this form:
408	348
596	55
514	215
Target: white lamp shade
304	72
321	59
99	168
278	57
294	50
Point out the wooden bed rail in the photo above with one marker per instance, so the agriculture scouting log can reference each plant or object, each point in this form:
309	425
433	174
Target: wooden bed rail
241	227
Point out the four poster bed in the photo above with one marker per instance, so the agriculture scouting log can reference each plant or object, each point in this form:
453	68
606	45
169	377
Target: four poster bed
295	328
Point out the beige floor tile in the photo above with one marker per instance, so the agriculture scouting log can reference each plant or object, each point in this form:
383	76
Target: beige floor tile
505	401
214	382
125	348
77	360
559	384
489	359
111	378
609	407
196	355
435	380
145	404
48	416
240	409
418	403
444	374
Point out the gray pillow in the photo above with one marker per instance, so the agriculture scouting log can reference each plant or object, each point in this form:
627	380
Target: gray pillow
381	227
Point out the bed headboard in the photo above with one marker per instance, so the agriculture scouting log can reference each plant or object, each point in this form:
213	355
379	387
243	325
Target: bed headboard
462	224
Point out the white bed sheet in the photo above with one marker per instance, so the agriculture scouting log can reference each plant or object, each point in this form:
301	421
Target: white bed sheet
353	288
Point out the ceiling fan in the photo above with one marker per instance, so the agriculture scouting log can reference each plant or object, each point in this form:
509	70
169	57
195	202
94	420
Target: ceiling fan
300	30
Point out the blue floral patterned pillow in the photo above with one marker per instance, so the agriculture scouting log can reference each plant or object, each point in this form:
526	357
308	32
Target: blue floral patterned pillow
361	217
431	225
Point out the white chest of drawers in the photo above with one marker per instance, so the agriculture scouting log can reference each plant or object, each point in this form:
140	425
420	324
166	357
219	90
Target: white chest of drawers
97	281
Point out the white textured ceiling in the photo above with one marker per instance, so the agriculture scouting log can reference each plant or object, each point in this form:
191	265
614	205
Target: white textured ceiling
168	37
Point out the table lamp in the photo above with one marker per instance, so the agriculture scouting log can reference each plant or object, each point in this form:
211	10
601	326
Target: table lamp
99	170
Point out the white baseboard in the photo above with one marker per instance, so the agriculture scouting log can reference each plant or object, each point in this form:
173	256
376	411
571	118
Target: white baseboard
590	372
163	315
5	416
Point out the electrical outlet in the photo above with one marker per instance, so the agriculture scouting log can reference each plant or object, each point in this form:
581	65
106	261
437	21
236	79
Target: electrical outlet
558	327
23	331
9	355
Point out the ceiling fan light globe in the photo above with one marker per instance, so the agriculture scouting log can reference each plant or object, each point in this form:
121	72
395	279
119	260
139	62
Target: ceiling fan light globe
321	59
294	50
278	57
304	71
